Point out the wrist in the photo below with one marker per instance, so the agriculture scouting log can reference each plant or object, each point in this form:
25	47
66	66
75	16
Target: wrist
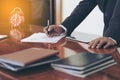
113	40
64	29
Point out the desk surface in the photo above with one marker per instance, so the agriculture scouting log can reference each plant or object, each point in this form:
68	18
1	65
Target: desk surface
65	47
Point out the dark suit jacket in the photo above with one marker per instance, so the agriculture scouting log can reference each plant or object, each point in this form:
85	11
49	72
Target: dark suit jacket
110	9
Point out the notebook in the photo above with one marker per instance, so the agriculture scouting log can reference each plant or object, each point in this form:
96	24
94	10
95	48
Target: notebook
27	56
82	37
85	70
41	62
83	75
82	60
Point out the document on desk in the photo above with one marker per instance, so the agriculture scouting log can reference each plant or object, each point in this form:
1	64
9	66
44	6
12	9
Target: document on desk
82	37
42	37
2	36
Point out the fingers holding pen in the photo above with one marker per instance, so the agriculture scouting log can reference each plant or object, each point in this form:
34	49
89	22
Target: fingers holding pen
53	30
47	29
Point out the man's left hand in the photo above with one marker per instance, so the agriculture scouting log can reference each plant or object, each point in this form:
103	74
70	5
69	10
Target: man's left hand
102	42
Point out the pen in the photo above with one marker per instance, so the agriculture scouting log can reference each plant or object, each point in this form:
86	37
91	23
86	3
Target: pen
48	24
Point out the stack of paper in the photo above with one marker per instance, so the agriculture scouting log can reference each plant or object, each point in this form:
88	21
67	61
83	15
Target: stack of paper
27	58
84	64
42	37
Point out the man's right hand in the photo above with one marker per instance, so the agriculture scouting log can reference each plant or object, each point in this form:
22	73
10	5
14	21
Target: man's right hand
53	30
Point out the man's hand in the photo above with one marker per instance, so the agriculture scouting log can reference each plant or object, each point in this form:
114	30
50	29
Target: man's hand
102	42
53	30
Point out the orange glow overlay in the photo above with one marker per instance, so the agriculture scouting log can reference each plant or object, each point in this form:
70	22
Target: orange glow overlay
7	6
16	17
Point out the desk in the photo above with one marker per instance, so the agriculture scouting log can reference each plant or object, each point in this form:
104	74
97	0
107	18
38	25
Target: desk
65	47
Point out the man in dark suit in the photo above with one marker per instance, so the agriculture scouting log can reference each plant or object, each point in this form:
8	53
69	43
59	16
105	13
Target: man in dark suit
111	33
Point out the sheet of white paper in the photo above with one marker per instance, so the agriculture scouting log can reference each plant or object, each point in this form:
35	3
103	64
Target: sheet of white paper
42	37
3	36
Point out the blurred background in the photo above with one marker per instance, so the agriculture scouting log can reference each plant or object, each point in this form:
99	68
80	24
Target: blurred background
36	12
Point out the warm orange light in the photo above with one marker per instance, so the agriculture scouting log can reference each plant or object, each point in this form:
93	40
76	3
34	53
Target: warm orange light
16	17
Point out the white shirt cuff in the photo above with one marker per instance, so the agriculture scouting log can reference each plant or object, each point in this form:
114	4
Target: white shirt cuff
113	40
63	28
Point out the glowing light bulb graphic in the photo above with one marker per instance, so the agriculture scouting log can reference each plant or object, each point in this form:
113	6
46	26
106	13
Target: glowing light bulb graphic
16	17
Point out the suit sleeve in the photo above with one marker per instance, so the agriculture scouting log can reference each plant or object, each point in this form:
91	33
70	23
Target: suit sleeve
114	25
78	14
